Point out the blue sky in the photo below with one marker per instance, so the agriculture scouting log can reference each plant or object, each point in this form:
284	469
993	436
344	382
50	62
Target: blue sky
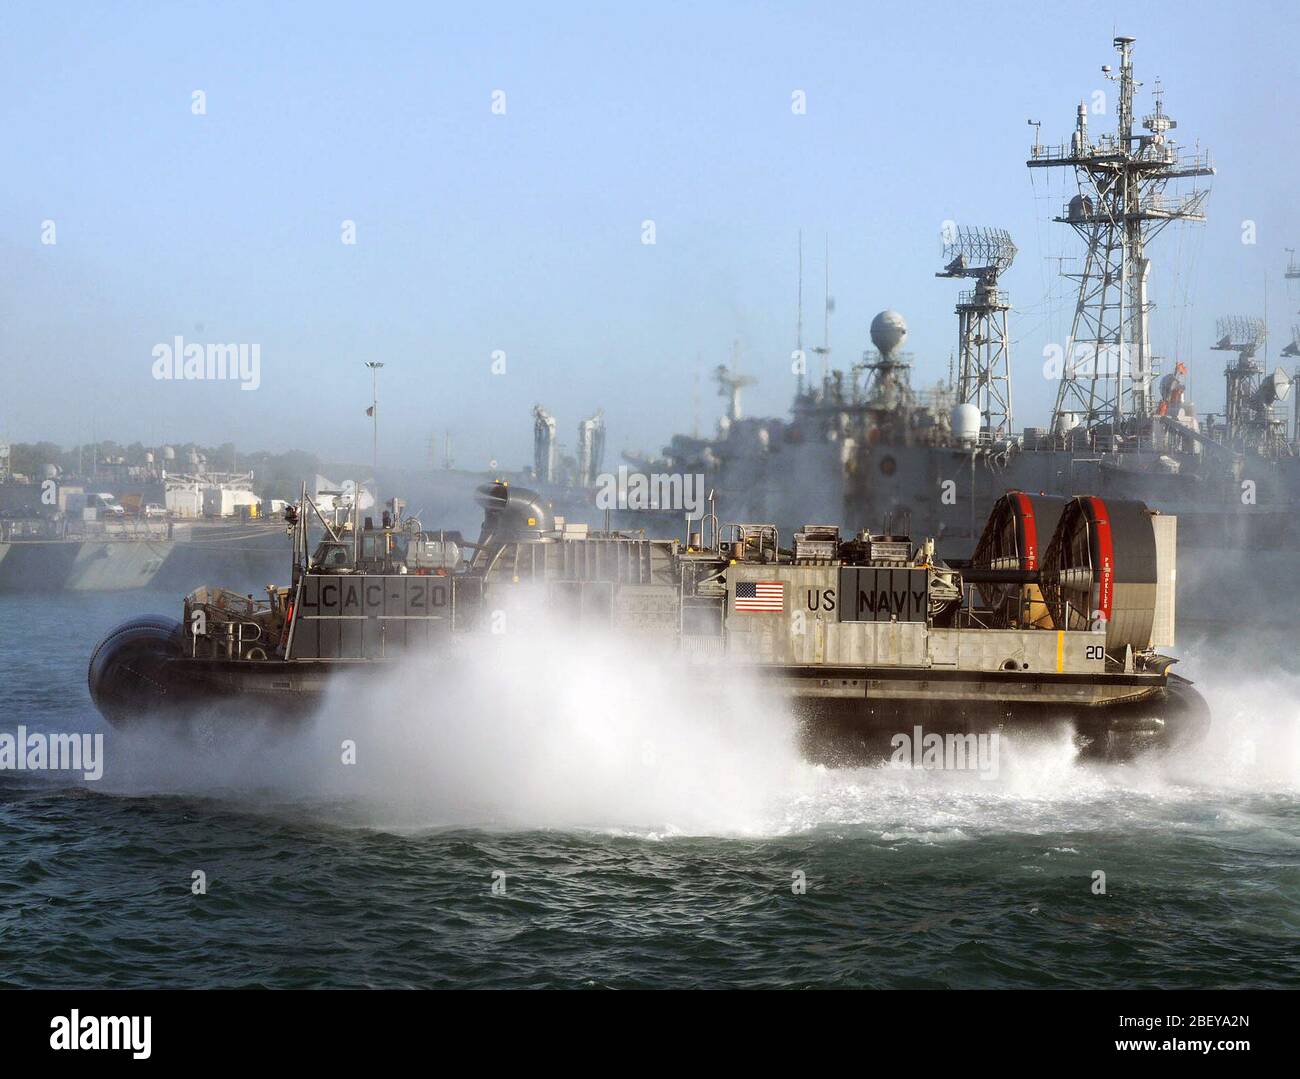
522	233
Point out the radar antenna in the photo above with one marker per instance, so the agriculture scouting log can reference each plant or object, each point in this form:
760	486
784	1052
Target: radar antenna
1249	396
1292	350
984	370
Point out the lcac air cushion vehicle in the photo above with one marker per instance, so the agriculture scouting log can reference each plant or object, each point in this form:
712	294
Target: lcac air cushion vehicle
1054	620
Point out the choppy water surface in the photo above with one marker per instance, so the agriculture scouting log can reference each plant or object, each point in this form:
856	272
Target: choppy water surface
646	832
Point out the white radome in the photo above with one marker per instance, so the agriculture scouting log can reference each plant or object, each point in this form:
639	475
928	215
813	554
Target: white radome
965	419
888	332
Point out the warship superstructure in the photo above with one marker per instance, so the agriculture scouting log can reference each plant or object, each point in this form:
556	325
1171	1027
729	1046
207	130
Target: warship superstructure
1056	620
865	444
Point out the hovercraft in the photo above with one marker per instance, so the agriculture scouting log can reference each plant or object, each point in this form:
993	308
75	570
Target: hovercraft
1056	619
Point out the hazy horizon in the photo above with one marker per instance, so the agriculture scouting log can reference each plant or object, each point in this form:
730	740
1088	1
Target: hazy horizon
478	233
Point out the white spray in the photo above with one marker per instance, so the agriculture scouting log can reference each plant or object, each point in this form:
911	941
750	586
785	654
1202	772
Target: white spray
603	731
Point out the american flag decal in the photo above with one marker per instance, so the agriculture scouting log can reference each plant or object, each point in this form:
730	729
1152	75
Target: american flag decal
760	596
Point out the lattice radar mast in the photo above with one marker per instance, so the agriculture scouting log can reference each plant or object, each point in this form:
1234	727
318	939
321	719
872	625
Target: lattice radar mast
1124	202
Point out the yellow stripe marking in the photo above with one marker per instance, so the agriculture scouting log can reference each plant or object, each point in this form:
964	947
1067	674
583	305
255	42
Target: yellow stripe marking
1060	650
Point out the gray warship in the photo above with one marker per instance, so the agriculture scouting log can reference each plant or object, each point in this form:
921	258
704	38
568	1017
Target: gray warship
1056	619
864	444
119	527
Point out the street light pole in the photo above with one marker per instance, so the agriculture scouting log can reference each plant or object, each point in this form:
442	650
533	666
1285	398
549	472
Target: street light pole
374	366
